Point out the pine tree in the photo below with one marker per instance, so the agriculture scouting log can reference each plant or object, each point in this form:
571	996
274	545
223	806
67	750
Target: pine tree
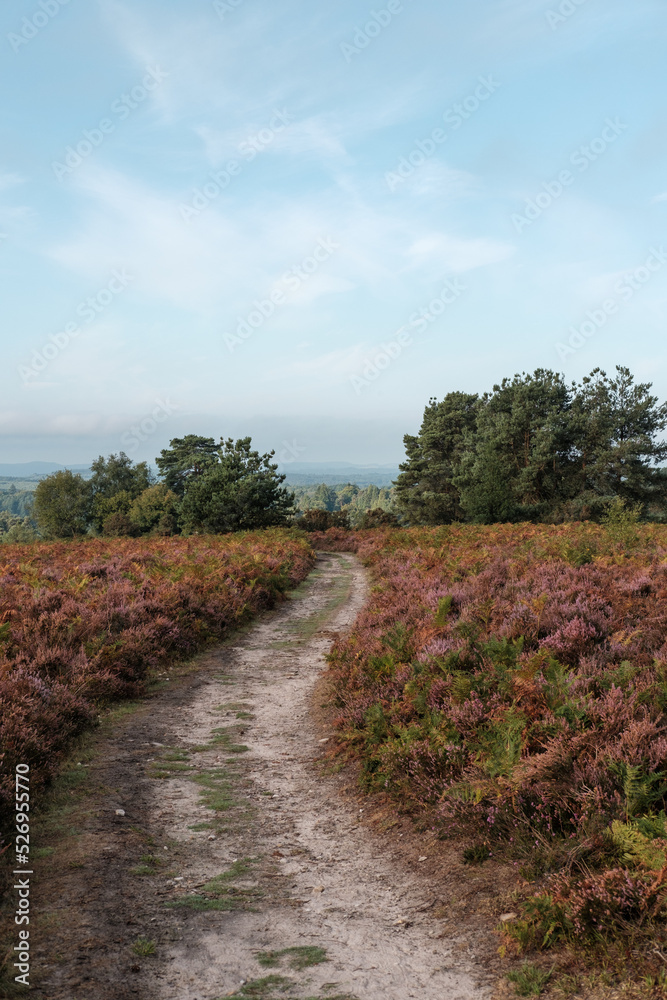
185	459
239	493
519	462
425	489
537	449
615	423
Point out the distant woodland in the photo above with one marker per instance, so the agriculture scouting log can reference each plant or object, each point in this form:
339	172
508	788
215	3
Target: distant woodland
534	448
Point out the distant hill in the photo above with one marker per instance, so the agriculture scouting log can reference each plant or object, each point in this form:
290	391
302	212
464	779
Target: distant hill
337	473
28	470
298	473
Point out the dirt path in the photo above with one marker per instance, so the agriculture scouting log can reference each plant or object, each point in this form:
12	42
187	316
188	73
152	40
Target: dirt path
218	859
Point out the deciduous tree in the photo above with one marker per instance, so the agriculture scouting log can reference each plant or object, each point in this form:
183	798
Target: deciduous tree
62	505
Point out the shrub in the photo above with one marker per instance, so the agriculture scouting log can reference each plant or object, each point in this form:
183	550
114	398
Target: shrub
322	520
377	518
621	519
525	704
118	525
82	623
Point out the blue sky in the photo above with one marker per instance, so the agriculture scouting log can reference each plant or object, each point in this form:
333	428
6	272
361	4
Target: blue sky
300	221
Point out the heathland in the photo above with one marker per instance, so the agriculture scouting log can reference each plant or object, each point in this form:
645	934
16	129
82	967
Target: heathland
507	686
85	622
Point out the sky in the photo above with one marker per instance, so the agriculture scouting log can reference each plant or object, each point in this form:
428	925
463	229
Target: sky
301	221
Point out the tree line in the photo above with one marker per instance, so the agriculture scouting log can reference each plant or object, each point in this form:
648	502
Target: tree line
204	486
349	503
536	448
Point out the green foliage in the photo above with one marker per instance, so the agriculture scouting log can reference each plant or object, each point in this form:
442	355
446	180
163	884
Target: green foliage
62	505
207	488
241	492
67	505
529	981
621	519
17	530
444	609
426	492
536	449
477	854
372	507
299	958
321	520
321	497
615	423
503	743
224	736
143	947
545	923
219	893
398	640
376	725
637	847
579	554
263	987
18	502
376	518
186	459
111	514
513	464
116	481
641	790
155	511
204	904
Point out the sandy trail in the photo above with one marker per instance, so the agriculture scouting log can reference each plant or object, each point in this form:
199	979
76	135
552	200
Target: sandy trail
253	848
350	900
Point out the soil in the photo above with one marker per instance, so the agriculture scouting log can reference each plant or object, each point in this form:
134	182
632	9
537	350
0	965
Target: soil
219	853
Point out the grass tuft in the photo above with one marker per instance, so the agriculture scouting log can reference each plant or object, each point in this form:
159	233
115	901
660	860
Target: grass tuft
476	855
144	947
529	981
263	987
299	958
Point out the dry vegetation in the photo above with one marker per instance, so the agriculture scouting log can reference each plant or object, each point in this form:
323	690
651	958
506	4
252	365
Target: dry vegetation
508	685
82	623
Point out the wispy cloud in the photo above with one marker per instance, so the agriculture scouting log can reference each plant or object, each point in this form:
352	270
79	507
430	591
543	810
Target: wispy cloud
449	254
10	181
323	176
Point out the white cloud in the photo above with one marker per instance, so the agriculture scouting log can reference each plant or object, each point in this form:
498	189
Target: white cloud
232	253
126	224
451	254
435	177
315	135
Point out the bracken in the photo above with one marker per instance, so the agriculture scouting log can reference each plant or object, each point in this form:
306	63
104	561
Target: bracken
525	702
82	623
